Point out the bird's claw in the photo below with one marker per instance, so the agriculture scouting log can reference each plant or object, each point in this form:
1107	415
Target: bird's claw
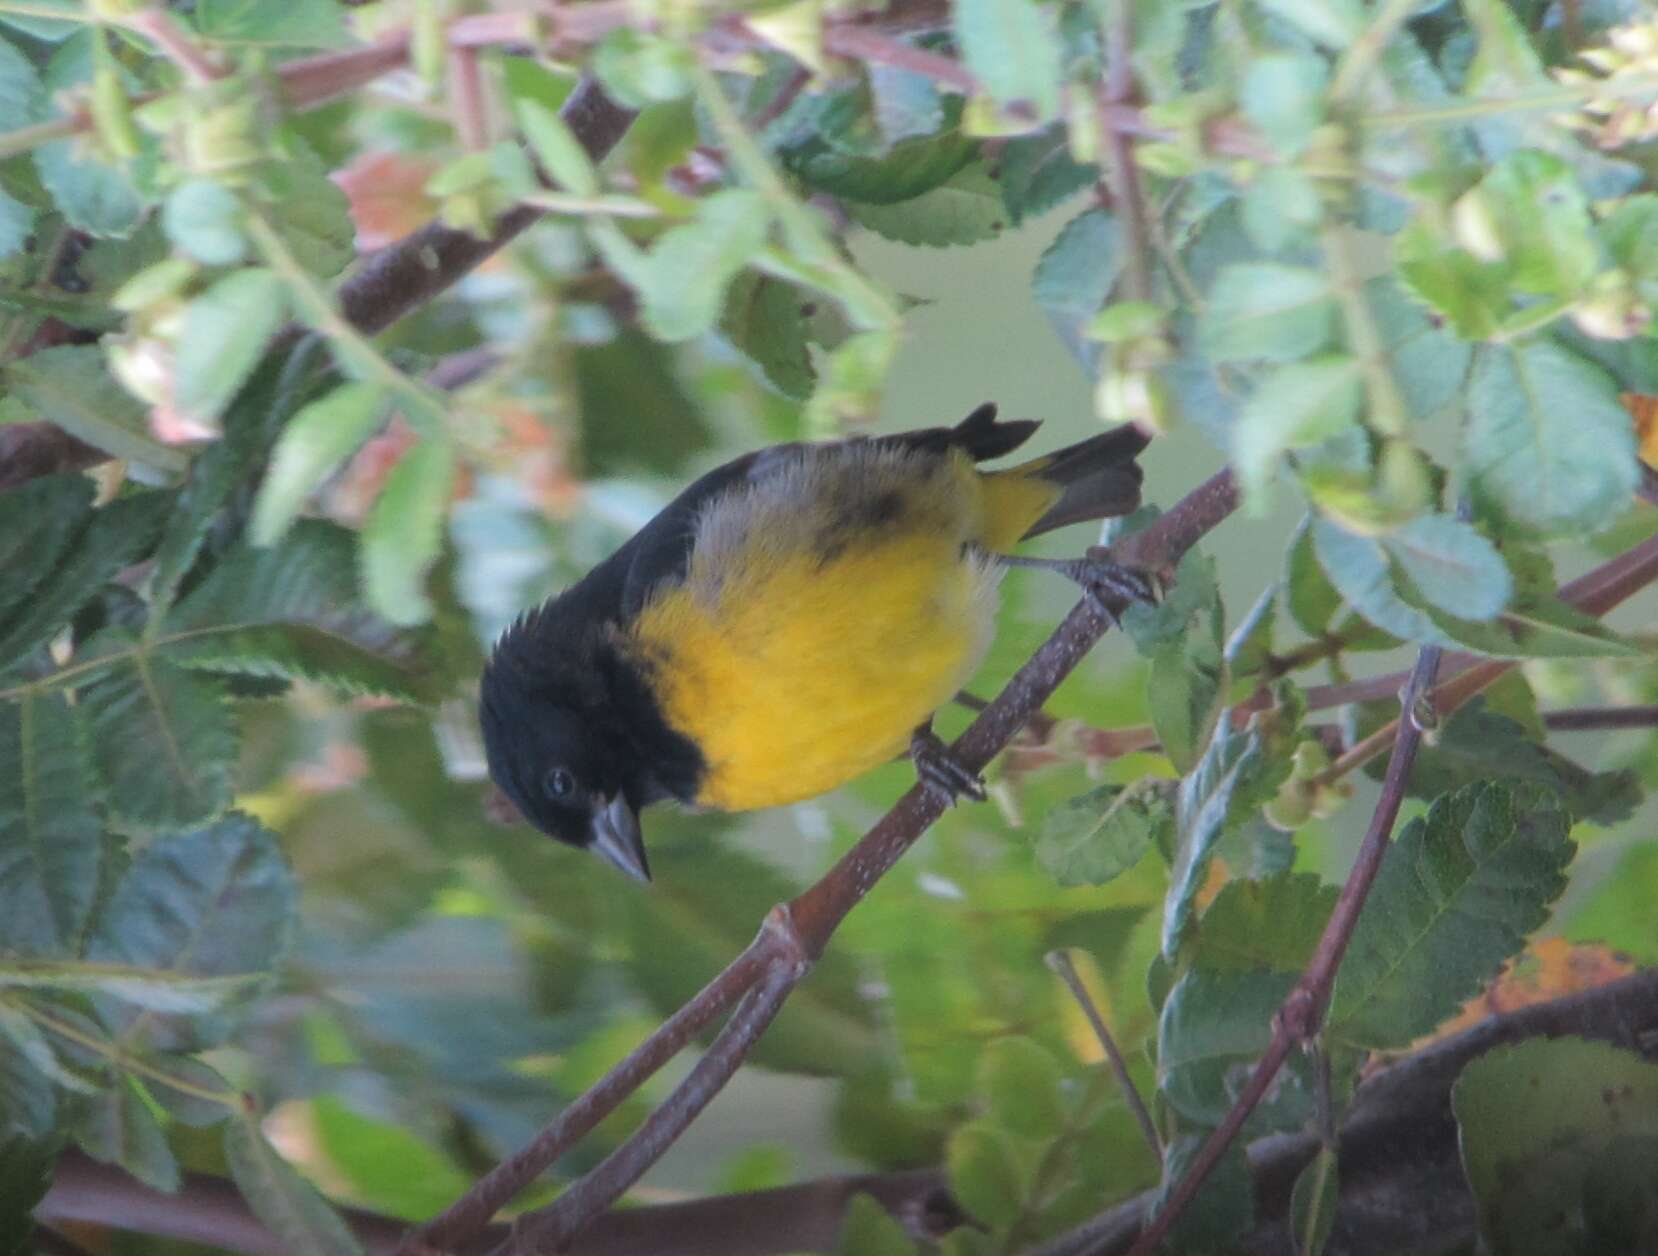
940	772
1111	586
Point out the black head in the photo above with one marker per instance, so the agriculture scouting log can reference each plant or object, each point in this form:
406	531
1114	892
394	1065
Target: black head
552	752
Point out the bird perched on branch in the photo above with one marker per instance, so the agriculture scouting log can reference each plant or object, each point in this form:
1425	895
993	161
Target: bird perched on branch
790	621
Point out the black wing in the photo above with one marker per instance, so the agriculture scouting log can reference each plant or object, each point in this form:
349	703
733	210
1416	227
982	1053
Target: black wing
661	550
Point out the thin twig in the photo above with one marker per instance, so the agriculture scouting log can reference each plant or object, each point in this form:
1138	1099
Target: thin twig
1578	719
865	44
1118	91
547	1228
1060	961
466	98
176	44
1299	1018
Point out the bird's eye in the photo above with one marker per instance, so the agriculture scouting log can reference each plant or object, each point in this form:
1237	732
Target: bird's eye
559	783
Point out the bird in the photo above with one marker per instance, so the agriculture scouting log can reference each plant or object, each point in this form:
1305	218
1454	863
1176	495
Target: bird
791	620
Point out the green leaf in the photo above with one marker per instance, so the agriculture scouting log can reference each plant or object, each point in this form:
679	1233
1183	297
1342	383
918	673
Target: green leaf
110	539
1536	624
204	220
293	611
405	531
1547	439
26	1169
1333	23
1504	60
51	842
22	94
906	105
183	720
39	521
1311	599
1021	1085
1014	49
1539	218
314	444
1270	925
117	1127
226	330
967	209
1359	568
1313	1203
1222	1210
386	1161
141	987
911	168
1280	207
639	68
71	385
28	1110
310	210
1456	896
765	319
870	1230
1292	407
1480	744
31	1046
984	1174
300	1218
17	221
1283	95
1239	773
1264	310
293	24
632	374
1096	837
1075	275
1185	688
1037	173
1452	566
556	147
91	194
1212	1028
1553	1173
217	902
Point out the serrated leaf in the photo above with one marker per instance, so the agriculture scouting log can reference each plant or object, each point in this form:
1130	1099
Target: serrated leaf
912	168
1358	567
1238	774
1020	1082
1266	925
182	720
204	220
906	105
1283	95
31	1047
314	444
1565	1170
1292	407
984	1175
217	902
870	1230
117	1127
1212	1028
1452	566
1185	689
967	209
294	23
226	330
1097	836
1075	275
310	210
405	531
1014	49
1536	623
72	386
1481	744
92	194
141	987
51	841
765	319
1037	173
293	611
1266	311
1547	439
1456	896
1333	23
301	1219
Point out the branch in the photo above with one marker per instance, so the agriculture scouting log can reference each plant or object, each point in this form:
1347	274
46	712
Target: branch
211	1210
1402	1185
1578	719
802	929
1299	1017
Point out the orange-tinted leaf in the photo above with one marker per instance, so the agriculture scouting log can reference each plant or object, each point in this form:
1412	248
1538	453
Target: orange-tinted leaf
1645	410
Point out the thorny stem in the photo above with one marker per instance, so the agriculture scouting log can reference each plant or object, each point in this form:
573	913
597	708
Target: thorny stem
1299	1018
1060	961
813	914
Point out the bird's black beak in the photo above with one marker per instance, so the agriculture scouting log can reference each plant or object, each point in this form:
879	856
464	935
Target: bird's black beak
616	836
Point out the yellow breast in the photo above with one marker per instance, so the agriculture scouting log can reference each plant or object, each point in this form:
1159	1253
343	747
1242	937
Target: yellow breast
820	623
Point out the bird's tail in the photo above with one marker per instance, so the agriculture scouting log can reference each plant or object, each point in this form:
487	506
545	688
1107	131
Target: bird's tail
1096	479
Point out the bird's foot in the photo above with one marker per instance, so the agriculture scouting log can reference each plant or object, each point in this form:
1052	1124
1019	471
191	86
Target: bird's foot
940	772
1109	585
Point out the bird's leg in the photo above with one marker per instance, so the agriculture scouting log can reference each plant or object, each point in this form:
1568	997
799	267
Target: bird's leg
938	769
1102	580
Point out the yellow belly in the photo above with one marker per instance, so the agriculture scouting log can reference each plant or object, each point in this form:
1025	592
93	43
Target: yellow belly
793	673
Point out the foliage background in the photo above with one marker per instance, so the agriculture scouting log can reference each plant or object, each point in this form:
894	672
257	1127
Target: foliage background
252	857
